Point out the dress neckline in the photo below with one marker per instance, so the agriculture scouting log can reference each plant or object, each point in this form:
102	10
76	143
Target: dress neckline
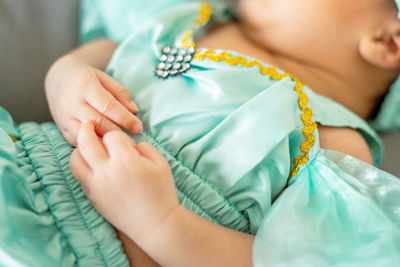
309	126
352	120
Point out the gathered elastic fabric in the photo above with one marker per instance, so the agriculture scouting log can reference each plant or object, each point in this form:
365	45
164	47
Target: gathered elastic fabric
199	195
79	234
77	229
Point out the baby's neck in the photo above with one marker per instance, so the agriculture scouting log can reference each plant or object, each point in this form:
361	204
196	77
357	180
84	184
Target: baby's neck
360	91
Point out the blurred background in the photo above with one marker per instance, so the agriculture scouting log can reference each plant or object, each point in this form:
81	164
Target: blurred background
34	33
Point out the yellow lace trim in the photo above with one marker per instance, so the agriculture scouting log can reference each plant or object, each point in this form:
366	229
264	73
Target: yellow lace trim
204	16
309	125
13	138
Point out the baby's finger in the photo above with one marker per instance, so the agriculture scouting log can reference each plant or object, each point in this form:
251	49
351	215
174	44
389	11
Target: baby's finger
101	123
147	150
70	132
80	169
106	104
119	143
118	91
90	146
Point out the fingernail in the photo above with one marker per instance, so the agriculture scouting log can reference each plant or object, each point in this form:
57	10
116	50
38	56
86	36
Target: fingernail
134	106
137	128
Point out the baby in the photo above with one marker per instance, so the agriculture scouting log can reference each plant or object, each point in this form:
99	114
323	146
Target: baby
257	154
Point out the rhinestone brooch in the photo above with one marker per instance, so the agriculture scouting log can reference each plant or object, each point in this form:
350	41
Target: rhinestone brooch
174	61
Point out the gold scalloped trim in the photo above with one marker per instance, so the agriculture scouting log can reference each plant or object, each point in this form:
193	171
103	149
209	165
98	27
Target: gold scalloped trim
306	117
205	13
309	126
13	138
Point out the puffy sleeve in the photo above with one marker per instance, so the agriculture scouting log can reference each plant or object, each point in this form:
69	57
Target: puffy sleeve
116	19
338	211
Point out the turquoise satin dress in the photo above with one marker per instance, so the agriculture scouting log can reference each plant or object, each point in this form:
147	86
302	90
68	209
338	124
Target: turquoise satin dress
231	135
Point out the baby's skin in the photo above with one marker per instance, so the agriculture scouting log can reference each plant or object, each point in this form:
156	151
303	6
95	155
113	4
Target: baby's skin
342	49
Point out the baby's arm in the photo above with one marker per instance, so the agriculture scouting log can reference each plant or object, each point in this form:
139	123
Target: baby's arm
136	256
71	83
132	186
345	140
77	90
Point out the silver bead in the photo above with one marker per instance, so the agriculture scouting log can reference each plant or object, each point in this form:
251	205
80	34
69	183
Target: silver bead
174	61
166	50
160	73
161	66
170	59
191	50
182	52
177	66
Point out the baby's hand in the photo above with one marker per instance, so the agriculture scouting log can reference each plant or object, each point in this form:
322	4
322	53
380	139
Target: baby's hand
130	184
78	92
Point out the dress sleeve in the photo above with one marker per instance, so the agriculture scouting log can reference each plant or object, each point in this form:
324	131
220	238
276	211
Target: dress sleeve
339	211
116	19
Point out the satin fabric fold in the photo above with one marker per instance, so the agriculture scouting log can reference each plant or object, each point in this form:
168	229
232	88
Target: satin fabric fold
239	131
230	136
338	212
